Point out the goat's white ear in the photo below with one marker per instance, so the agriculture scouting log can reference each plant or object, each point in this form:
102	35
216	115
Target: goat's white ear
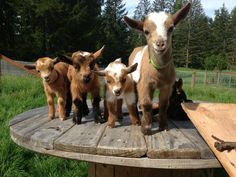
131	68
65	59
100	73
134	23
32	66
181	13
99	52
118	60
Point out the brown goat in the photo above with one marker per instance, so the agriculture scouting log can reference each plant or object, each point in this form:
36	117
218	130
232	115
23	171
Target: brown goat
83	80
155	64
119	86
56	83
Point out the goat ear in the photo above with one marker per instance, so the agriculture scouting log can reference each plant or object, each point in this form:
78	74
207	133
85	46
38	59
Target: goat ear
131	68
32	66
100	73
181	13
55	60
134	23
118	60
99	52
180	81
65	59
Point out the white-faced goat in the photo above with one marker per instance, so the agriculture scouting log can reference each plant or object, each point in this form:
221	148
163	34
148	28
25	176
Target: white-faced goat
155	64
119	86
56	83
83	80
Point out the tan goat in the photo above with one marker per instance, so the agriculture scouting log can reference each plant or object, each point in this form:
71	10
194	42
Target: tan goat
56	83
155	64
119	86
83	80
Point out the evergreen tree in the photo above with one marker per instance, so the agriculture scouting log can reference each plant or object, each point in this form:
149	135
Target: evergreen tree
143	8
232	40
163	5
114	31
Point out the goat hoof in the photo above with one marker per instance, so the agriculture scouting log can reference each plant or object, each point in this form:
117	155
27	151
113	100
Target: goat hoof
51	117
62	118
68	114
111	125
85	112
146	131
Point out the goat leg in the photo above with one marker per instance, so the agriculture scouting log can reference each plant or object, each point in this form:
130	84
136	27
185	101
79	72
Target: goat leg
68	103
96	110
85	110
77	115
222	145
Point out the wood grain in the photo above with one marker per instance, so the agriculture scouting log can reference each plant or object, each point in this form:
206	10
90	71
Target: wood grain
218	120
171	144
187	128
81	138
124	140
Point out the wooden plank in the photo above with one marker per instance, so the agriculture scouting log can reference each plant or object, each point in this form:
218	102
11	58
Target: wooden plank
188	129
81	138
37	112
103	170
171	144
124	140
44	135
21	129
91	169
121	171
218	120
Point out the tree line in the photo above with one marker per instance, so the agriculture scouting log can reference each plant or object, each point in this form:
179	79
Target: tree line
33	28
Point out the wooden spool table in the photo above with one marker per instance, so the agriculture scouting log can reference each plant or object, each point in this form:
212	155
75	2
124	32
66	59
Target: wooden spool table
119	152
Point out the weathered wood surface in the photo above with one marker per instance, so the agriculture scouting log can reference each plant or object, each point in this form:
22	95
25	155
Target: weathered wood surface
102	170
125	145
218	120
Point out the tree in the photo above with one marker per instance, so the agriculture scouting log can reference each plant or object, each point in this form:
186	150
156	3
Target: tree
8	19
163	5
143	8
114	33
231	46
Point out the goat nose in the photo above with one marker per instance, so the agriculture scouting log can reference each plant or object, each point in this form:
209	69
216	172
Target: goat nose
160	44
86	79
46	77
117	92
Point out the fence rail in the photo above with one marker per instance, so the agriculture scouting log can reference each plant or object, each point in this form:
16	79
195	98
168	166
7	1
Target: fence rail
225	79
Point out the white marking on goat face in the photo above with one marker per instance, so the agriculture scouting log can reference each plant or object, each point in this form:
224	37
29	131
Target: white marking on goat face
156	29
45	67
115	78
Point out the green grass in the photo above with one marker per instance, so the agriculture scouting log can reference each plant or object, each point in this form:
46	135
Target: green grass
19	94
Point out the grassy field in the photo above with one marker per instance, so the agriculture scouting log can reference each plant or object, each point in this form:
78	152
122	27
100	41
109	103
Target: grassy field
19	94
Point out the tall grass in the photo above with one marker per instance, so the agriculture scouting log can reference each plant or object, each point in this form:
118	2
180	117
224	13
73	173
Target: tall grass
19	94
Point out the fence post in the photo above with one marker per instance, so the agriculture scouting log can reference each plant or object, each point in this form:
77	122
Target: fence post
230	80
205	78
193	79
218	77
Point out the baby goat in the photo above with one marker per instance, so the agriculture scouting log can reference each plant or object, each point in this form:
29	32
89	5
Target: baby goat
83	80
55	82
119	86
155	64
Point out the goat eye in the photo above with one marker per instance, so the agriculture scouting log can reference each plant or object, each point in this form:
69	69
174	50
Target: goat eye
38	71
123	80
77	67
108	81
170	29
146	32
91	65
